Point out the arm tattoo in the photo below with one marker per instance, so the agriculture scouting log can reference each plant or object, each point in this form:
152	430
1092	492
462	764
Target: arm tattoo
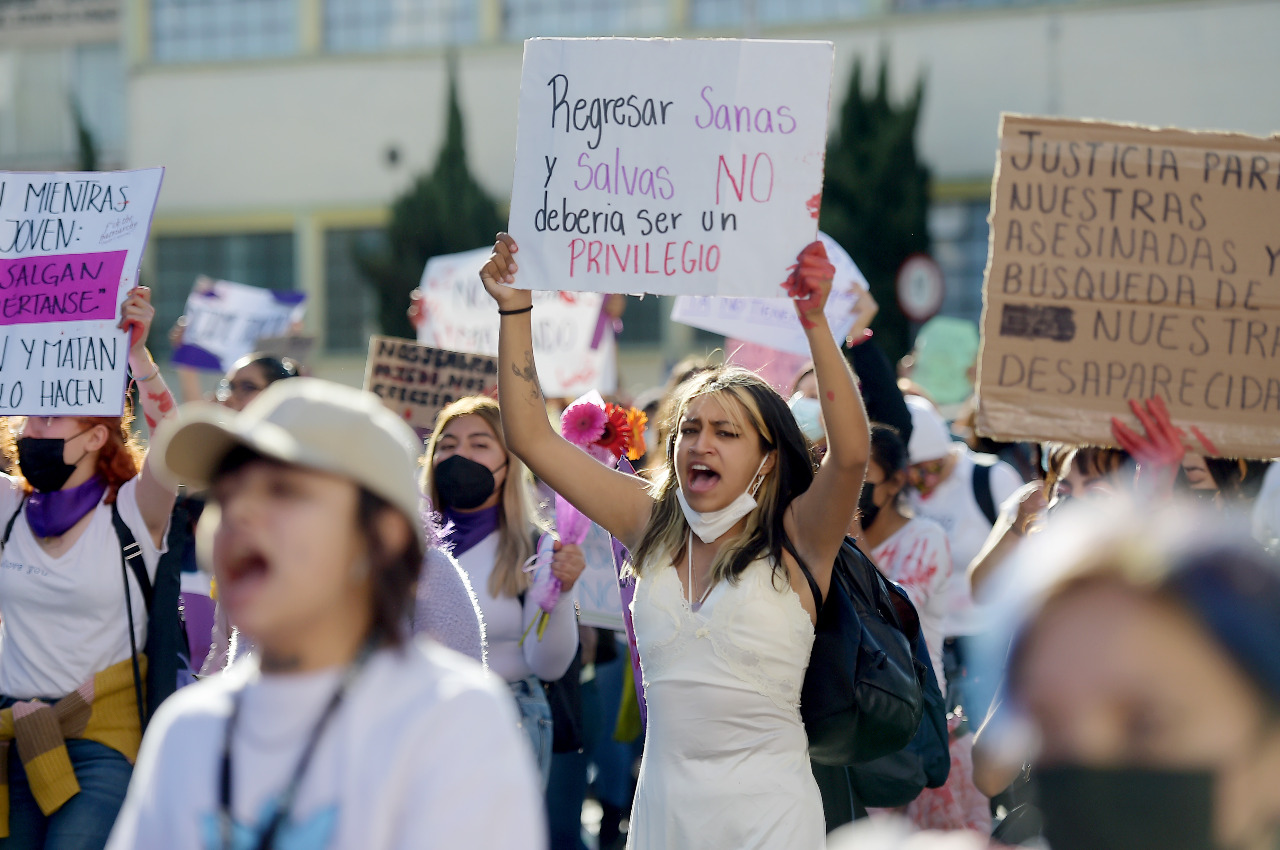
530	374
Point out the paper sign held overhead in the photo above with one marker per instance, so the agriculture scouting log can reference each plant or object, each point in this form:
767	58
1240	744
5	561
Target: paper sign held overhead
417	382
773	321
575	351
225	320
70	246
1127	262
668	166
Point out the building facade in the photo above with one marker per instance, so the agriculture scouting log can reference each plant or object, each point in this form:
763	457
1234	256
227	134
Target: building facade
287	126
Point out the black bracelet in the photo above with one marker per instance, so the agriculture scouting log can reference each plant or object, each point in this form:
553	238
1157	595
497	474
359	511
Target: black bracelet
515	312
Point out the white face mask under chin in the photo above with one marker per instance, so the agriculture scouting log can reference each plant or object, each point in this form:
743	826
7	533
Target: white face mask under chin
710	526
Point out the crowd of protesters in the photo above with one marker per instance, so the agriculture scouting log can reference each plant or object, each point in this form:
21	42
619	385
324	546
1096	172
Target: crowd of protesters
380	668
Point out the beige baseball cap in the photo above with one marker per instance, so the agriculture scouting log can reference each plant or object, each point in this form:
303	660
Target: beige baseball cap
305	422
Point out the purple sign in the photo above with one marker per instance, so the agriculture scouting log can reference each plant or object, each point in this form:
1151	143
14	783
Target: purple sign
60	288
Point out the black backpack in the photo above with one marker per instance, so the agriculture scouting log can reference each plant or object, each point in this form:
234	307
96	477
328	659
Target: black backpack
898	778
861	697
166	647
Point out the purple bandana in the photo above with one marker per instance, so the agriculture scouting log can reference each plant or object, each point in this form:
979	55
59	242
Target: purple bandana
465	530
53	514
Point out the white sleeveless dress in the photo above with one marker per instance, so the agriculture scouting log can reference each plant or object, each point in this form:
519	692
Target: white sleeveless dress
726	760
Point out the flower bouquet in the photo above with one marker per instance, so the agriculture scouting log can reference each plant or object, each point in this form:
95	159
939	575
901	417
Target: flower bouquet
607	432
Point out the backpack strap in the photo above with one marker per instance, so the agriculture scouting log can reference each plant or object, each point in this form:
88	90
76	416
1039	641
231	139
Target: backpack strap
131	557
8	526
808	576
982	486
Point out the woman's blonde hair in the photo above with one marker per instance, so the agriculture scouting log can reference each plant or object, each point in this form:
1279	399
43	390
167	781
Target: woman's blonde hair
755	405
518	520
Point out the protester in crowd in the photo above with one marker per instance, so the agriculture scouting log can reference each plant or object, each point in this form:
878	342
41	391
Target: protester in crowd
345	733
446	608
723	612
1070	473
246	378
483	493
912	551
1144	665
961	491
72	616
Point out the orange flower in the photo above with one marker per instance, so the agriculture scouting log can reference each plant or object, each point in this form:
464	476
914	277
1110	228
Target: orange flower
617	431
637	420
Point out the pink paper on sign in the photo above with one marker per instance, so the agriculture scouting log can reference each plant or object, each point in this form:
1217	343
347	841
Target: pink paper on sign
60	288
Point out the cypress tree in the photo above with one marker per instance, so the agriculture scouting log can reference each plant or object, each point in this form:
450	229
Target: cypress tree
875	199
443	212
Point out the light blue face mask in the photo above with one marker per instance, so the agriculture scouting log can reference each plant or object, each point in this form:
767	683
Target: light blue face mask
808	414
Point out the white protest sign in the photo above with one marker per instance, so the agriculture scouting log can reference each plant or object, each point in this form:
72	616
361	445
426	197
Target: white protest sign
668	166
70	245
225	320
773	321
575	352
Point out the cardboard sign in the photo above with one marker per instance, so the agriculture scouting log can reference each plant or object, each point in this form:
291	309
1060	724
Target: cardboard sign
668	166
417	382
225	320
70	245
1127	262
574	349
773	321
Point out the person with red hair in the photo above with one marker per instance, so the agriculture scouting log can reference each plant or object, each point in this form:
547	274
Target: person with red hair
67	602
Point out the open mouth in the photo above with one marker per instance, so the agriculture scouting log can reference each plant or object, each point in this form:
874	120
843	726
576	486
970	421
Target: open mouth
242	574
702	478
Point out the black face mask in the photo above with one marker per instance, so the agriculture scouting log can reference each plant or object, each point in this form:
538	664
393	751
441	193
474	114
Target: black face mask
463	484
867	508
1125	808
40	461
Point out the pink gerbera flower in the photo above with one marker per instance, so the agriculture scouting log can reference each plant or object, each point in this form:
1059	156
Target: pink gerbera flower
583	423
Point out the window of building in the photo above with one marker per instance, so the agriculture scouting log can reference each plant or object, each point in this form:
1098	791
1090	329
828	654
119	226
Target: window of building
746	13
215	30
349	308
99	85
529	18
256	259
959	232
643	319
353	26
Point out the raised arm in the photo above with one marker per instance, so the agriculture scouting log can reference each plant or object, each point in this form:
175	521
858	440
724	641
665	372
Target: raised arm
155	496
618	502
817	519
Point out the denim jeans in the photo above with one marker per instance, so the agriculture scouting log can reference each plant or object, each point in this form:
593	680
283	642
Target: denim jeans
535	720
84	821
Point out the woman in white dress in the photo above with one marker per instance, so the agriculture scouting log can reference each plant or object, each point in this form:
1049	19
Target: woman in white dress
723	613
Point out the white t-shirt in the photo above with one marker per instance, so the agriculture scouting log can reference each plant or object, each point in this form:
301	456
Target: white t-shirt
424	751
916	556
505	622
63	619
952	505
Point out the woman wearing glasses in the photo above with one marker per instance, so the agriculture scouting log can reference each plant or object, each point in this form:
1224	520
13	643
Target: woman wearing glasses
65	600
247	377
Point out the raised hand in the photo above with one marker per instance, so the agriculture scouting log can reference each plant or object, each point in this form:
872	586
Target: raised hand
809	284
136	315
500	272
1160	452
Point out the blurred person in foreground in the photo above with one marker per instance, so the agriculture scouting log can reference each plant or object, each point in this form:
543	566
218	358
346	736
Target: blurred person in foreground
344	732
1142	674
